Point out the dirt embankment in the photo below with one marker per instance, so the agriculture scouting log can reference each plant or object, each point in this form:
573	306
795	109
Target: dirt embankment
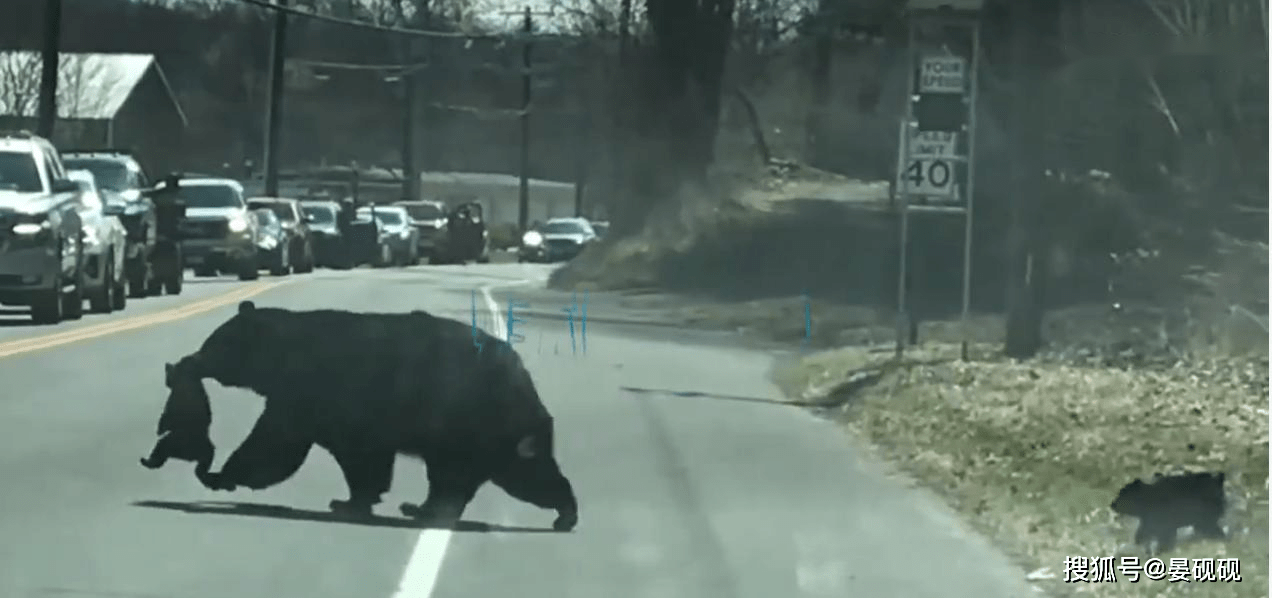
1160	368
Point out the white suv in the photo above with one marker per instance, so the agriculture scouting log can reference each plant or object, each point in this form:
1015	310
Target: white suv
41	234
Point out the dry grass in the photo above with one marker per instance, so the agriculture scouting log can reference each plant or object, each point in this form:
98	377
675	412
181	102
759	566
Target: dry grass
1033	453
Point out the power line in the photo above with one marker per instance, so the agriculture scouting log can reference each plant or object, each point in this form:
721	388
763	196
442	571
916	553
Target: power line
350	66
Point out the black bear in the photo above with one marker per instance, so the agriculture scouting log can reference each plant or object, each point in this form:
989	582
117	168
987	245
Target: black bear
1171	502
367	387
184	422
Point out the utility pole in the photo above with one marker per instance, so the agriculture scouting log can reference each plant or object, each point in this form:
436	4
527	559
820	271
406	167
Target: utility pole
1033	31
274	115
410	172
580	172
48	74
523	192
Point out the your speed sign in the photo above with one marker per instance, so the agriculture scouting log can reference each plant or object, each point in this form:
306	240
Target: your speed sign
930	164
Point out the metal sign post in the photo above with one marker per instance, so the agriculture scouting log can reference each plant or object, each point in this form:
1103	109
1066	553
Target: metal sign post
937	137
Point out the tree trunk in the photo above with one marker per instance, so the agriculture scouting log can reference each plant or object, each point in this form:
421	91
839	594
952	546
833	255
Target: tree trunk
819	83
1033	34
692	44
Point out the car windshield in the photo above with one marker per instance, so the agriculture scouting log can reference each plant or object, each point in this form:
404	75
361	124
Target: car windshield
111	175
563	227
83	178
319	215
266	217
18	172
210	196
426	211
282	210
384	216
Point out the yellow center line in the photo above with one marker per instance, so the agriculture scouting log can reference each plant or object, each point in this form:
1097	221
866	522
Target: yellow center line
27	345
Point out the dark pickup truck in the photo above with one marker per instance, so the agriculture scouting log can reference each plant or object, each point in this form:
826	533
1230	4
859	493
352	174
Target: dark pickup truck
151	215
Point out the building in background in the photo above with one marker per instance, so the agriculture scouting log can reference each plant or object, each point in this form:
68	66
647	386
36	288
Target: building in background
103	100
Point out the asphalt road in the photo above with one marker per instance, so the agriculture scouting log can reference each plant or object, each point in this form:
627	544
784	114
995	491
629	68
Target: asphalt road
724	493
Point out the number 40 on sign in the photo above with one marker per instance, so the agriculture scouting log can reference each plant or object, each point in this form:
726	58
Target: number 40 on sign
930	162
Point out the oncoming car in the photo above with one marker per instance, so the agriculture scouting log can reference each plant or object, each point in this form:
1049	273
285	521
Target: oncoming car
558	239
398	238
105	246
219	234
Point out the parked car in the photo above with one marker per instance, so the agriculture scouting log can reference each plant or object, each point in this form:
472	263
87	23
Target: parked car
327	241
399	246
292	219
41	233
466	237
152	262
105	245
273	244
558	239
218	233
429	217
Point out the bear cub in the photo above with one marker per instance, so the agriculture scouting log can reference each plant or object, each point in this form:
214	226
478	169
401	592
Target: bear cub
185	421
1173	501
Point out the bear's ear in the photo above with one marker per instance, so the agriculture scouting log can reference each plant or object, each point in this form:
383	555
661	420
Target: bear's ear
247	307
168	371
1219	477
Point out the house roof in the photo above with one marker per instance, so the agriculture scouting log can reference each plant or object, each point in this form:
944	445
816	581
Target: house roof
91	86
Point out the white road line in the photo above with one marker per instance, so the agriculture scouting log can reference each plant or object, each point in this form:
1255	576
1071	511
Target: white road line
425	563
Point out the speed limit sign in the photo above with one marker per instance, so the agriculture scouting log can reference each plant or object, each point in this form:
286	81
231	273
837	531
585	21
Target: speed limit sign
929	176
929	165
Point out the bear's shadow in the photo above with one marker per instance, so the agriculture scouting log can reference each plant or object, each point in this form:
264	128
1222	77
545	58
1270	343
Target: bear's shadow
247	509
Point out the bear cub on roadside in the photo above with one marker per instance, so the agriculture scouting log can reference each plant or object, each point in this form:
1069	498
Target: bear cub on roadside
1171	502
185	421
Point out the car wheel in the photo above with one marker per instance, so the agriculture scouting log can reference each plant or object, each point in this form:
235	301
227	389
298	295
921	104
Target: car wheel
139	281
174	270
73	302
307	260
119	296
175	282
155	287
102	300
282	266
248	270
46	307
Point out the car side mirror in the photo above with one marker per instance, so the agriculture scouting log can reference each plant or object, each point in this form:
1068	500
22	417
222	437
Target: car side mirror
65	186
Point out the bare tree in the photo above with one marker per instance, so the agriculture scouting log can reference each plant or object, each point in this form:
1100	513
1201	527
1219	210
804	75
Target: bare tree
84	84
19	83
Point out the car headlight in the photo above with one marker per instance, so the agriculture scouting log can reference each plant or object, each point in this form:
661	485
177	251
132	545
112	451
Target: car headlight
532	238
238	224
30	228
